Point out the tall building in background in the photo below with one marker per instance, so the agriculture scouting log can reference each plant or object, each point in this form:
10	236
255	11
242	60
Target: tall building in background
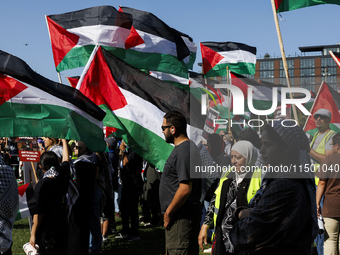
307	69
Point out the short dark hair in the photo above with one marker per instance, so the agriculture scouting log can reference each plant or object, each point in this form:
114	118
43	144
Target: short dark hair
49	159
178	120
250	135
336	139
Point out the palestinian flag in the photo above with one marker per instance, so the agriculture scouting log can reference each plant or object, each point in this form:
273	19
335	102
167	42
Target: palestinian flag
33	106
160	47
73	81
136	102
27	203
217	56
289	5
336	57
74	34
327	98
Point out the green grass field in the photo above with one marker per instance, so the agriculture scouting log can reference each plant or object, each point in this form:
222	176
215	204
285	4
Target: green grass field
152	241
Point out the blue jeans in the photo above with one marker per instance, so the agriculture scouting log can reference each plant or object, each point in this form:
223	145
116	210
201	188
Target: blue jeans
319	240
118	195
96	233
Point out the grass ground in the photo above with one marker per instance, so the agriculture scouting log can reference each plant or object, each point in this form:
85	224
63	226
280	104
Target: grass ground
152	241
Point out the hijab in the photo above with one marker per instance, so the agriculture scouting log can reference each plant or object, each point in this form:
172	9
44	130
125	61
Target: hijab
247	150
82	149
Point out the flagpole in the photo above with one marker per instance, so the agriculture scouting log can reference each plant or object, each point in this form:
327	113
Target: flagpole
284	60
59	78
335	59
229	130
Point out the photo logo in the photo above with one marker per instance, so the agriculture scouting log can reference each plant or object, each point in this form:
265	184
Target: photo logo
238	100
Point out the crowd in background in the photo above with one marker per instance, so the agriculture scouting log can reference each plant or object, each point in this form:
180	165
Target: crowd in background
80	193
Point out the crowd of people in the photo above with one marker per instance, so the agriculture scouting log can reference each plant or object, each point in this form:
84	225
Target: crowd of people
253	206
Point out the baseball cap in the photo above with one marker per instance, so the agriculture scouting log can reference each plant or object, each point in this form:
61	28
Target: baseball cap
323	112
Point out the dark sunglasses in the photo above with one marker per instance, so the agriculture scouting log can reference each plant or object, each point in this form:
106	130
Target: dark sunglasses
321	117
165	127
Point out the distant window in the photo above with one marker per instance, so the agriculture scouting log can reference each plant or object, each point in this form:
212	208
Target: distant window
266	74
290	72
328	62
283	81
307	72
290	64
307	80
307	63
267	65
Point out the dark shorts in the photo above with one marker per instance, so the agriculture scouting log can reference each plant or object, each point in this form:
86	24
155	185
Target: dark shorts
182	237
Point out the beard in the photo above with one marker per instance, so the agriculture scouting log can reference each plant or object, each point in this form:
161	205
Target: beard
169	138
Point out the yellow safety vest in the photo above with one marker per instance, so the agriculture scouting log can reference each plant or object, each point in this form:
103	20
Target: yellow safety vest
321	148
254	185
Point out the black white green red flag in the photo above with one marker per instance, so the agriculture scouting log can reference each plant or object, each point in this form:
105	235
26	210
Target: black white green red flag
136	102
327	98
162	48
217	56
289	5
33	106
74	34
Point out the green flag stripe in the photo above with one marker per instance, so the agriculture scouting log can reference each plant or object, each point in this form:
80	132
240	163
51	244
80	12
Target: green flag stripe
240	68
48	120
78	57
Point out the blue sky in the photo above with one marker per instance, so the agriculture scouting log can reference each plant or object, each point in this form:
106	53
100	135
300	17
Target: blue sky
24	31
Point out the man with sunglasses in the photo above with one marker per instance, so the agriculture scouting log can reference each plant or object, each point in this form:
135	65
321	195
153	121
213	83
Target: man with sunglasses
320	148
179	194
321	145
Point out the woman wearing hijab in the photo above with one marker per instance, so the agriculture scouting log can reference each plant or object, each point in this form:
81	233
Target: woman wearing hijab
281	219
79	220
236	188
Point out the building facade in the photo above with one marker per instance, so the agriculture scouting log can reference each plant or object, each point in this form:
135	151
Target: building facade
306	70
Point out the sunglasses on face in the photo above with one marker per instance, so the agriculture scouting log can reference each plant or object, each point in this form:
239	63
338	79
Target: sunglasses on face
165	127
321	117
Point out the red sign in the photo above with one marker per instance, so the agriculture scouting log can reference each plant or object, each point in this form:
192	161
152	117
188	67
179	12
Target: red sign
33	156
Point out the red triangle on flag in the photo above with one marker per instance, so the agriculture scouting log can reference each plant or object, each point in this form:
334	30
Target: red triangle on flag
278	3
22	189
133	39
324	100
9	87
210	58
100	87
62	41
240	84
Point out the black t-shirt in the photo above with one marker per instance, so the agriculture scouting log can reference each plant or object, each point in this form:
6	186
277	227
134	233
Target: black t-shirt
50	195
177	169
131	172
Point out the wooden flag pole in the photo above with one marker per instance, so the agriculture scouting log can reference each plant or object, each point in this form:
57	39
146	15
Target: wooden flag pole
59	78
335	58
284	60
35	174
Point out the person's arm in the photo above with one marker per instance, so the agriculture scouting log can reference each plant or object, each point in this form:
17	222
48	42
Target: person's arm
36	223
208	220
65	151
319	193
320	157
179	199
